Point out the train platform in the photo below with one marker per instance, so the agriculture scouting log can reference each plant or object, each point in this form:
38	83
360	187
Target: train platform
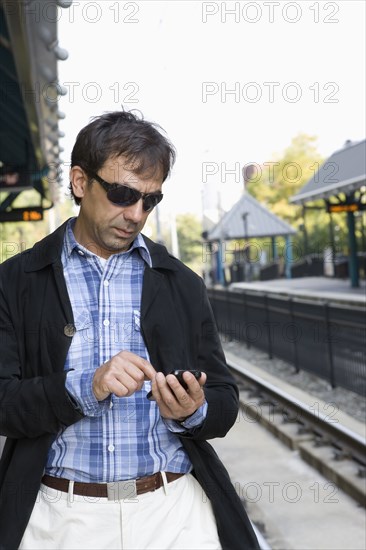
317	288
293	505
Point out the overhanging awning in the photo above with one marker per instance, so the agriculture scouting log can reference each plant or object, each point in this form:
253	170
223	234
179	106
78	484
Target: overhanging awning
29	93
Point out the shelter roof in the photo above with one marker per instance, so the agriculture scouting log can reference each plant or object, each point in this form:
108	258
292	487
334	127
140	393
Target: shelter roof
343	172
249	219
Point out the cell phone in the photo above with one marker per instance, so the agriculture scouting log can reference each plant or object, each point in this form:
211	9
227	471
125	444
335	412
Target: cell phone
179	375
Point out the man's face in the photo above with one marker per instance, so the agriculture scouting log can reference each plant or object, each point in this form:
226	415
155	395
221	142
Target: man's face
102	226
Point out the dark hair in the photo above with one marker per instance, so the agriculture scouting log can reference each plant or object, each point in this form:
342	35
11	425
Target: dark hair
124	133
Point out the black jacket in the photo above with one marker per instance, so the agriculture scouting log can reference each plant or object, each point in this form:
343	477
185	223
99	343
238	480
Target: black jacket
179	332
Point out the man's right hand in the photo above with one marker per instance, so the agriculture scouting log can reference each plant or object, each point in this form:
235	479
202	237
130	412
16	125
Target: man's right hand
122	375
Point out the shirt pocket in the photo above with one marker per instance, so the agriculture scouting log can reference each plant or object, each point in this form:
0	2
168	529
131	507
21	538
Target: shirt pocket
83	322
136	316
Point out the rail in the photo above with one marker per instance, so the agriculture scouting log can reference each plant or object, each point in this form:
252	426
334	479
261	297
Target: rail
344	443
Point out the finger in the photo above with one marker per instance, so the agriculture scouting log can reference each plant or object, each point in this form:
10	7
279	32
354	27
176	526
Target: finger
194	390
164	385
139	362
186	401
118	376
163	393
172	399
126	371
105	385
117	388
192	382
121	383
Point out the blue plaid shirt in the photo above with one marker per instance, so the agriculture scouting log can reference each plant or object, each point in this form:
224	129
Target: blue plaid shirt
119	438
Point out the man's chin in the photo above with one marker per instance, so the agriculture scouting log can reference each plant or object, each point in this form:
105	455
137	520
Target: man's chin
120	245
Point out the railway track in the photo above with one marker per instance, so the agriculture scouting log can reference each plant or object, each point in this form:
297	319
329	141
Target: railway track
335	451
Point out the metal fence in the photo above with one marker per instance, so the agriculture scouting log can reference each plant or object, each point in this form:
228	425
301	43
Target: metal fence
323	338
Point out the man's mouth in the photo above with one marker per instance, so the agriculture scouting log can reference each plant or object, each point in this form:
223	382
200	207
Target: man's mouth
124	232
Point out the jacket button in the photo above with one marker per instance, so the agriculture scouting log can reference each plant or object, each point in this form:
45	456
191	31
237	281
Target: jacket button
69	330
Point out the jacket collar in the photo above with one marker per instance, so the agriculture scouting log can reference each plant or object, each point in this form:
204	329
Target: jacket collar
160	257
48	251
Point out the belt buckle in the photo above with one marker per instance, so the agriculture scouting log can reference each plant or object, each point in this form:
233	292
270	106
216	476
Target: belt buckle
122	490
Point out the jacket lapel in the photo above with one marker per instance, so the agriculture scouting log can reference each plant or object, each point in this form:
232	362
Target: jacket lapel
153	281
154	277
47	252
62	292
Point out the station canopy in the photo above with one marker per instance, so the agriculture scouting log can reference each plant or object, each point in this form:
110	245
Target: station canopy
249	219
29	94
344	172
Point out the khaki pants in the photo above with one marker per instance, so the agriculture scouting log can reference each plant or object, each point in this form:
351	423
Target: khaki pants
178	516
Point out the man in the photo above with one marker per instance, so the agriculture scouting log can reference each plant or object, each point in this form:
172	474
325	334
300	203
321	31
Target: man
92	318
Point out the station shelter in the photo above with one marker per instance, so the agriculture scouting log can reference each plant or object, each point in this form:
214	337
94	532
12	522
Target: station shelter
340	186
247	236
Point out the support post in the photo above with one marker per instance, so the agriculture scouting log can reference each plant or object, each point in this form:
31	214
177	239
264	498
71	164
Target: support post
352	256
288	257
220	264
274	249
305	231
332	243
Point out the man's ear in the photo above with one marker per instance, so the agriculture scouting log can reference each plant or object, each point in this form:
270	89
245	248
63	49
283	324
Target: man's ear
79	181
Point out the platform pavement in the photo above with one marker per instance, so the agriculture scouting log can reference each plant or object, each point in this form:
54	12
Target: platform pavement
318	288
292	504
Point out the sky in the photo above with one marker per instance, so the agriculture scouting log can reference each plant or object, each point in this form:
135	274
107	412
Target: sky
231	83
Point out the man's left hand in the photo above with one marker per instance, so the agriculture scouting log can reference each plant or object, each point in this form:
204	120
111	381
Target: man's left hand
173	400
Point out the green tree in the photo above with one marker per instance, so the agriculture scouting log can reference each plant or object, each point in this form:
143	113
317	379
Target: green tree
189	230
283	177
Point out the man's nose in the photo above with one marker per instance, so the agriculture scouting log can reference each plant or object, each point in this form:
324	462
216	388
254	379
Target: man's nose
134	212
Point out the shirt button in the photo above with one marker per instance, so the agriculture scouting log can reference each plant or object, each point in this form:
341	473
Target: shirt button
106	283
111	448
106	322
69	330
81	253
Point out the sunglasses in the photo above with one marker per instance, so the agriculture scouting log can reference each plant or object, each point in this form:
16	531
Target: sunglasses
122	195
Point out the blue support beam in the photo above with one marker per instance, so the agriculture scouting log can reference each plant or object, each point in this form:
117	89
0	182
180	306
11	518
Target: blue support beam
288	257
352	255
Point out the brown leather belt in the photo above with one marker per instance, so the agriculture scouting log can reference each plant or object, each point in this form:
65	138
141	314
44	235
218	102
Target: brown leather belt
117	490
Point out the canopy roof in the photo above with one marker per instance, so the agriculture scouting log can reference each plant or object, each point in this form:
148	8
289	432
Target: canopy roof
343	172
29	93
249	219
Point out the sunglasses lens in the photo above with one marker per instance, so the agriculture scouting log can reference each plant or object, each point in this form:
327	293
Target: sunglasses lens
150	201
123	195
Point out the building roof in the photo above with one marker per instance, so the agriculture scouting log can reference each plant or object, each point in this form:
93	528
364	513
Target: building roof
260	222
343	172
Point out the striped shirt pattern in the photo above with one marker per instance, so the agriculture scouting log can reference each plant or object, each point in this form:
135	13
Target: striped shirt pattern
119	438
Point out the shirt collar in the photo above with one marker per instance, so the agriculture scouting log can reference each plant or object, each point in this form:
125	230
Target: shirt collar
71	245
